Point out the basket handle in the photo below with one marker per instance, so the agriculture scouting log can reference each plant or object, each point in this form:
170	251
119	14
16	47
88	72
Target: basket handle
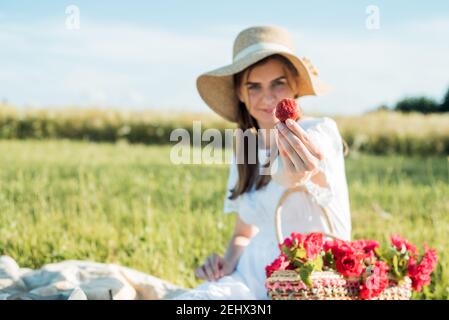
279	236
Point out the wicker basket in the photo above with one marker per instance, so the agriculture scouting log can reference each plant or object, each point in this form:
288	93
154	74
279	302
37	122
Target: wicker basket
326	285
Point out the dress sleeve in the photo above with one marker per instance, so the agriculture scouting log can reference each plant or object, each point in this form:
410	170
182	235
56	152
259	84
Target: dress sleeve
231	206
334	198
326	136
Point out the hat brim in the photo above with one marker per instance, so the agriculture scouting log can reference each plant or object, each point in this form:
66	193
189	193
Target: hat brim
216	87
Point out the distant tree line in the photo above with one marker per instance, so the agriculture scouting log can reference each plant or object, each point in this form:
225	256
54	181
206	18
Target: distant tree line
420	104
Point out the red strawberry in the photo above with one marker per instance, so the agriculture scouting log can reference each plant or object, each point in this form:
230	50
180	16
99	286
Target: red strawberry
287	109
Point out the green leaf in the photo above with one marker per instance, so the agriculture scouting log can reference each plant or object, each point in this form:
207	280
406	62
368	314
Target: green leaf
383	255
300	253
286	251
329	259
378	251
298	263
295	242
305	273
318	264
395	266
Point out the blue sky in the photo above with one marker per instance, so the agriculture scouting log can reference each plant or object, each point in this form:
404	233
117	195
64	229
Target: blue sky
147	54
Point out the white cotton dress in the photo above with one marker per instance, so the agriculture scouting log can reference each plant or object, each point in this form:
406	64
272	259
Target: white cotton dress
301	213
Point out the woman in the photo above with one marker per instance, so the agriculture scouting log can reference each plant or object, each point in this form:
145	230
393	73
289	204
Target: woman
264	71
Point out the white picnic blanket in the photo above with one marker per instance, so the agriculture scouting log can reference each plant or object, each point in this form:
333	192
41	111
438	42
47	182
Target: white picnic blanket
80	280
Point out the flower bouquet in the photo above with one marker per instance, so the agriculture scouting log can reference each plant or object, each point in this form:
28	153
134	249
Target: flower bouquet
309	268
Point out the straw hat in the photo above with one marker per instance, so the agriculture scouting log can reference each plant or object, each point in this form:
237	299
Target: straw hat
216	87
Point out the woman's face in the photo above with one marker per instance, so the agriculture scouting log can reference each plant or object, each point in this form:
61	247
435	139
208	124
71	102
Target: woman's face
266	85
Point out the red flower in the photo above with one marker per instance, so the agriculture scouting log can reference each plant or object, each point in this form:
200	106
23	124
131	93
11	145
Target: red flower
280	263
366	245
331	245
341	248
287	242
376	280
313	245
349	264
366	248
295	240
420	273
298	237
348	257
398	242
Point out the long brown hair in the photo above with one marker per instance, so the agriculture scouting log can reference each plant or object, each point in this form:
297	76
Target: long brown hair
248	173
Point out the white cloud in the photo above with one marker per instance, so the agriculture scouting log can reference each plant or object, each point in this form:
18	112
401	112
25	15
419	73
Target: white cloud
144	66
104	64
377	67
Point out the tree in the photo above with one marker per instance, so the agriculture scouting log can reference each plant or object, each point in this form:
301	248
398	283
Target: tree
444	106
417	104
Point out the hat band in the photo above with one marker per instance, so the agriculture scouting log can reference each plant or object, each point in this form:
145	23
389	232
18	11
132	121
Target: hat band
262	46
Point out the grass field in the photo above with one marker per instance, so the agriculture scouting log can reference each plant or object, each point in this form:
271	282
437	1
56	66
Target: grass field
127	204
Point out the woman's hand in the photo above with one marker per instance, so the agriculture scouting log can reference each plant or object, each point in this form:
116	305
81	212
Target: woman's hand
214	268
299	155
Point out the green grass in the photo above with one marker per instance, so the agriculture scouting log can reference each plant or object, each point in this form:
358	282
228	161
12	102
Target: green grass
127	204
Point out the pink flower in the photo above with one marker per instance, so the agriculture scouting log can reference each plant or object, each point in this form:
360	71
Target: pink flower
287	242
313	244
366	245
429	259
398	242
375	282
420	273
298	238
280	263
295	240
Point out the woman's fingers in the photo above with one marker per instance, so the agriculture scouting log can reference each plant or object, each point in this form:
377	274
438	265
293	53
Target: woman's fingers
298	147
212	269
209	269
200	273
215	266
285	158
292	159
302	135
221	266
288	165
